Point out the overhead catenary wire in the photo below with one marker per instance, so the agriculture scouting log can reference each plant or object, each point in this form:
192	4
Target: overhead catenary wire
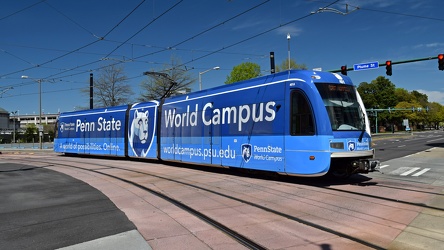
144	27
73	21
60	74
21	10
57	75
162	50
186	40
78	49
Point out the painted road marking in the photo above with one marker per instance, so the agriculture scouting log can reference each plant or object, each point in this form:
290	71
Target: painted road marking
400	170
421	172
409	171
384	166
404	171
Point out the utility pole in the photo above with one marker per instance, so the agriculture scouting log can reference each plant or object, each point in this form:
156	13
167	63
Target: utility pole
91	91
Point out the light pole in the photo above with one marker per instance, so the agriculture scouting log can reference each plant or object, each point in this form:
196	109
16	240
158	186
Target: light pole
39	81
288	39
203	72
13	119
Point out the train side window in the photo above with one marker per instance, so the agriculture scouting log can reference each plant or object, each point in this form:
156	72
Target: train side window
301	115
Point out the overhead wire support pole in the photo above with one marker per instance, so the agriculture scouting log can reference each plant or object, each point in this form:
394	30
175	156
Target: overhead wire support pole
326	9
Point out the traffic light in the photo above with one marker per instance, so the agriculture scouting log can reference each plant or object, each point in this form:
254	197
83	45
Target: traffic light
388	68
344	70
441	61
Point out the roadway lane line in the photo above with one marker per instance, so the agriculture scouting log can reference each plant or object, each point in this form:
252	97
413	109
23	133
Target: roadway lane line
421	172
435	140
409	172
384	166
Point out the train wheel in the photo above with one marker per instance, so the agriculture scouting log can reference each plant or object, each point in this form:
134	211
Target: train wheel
341	173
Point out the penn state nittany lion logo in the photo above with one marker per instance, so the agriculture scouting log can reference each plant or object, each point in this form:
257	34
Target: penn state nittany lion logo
139	137
246	152
351	146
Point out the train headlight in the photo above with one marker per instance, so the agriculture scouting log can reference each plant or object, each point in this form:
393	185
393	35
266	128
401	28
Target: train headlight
337	145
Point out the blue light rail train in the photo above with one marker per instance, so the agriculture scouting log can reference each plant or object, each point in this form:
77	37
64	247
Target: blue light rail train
303	123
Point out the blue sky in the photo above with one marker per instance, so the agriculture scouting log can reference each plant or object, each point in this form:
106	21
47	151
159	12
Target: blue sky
63	42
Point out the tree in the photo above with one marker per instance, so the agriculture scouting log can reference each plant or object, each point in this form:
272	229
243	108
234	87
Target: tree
435	114
403	95
414	117
379	93
157	85
243	71
293	65
423	99
111	87
31	132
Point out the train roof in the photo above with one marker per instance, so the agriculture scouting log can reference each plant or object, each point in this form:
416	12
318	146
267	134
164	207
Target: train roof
96	110
308	76
315	76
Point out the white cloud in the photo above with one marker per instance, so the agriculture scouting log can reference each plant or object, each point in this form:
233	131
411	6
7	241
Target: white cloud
434	96
292	30
248	25
373	3
428	45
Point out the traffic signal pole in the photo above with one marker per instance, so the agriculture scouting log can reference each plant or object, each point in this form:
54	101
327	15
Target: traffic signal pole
385	64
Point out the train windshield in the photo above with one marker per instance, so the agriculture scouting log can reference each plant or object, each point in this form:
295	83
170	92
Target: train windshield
342	106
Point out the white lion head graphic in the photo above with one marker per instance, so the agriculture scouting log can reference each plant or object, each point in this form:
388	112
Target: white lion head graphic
138	136
246	152
140	125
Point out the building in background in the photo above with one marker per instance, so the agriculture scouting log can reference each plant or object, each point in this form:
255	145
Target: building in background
11	122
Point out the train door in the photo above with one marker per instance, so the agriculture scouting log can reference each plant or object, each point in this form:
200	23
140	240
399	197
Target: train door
304	149
113	140
84	141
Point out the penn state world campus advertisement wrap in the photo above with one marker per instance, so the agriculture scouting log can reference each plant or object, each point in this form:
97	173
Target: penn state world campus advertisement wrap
294	122
97	131
233	127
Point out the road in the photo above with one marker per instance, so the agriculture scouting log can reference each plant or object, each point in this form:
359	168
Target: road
411	157
399	145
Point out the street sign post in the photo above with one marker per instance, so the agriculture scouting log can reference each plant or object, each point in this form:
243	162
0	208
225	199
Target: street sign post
365	66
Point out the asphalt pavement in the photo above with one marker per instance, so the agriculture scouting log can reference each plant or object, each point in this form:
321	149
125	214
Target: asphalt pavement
45	209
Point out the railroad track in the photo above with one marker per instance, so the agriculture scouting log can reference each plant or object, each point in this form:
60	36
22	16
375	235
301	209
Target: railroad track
234	190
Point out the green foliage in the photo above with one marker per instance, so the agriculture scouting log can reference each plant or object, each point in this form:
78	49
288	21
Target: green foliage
436	114
423	99
243	71
293	65
31	132
413	116
402	95
382	94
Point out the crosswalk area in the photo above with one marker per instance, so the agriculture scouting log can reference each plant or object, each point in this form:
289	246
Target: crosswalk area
406	171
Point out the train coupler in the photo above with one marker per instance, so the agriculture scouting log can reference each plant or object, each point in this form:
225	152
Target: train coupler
365	166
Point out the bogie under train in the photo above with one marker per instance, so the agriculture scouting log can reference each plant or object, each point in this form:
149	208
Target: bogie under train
304	123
